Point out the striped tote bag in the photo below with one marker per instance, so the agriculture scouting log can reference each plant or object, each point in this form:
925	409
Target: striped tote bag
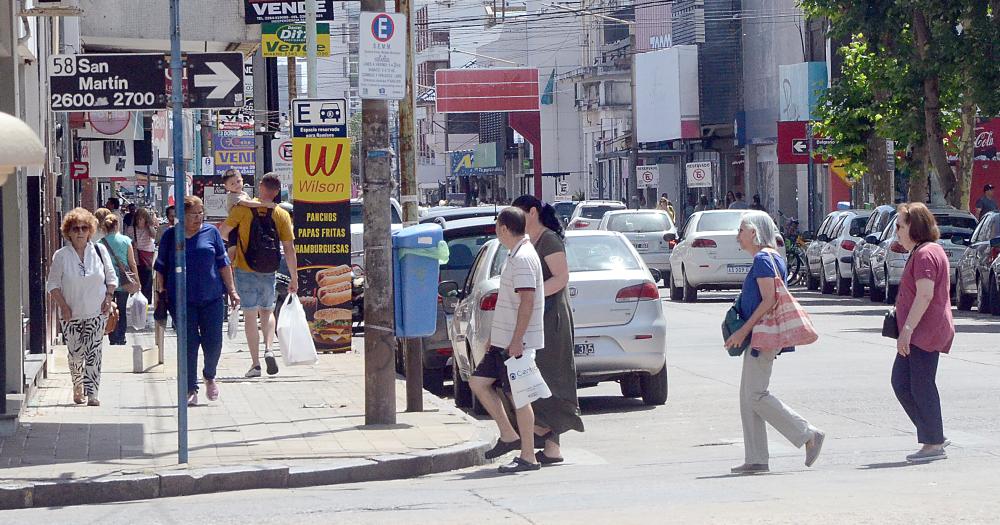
787	324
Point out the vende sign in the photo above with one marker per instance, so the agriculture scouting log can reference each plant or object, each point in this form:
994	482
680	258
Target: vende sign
262	11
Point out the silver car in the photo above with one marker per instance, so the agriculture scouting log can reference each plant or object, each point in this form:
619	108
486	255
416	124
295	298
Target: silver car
619	327
861	262
651	232
973	283
814	250
837	255
588	214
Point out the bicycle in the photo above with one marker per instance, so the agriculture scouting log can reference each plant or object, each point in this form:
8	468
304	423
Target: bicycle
795	256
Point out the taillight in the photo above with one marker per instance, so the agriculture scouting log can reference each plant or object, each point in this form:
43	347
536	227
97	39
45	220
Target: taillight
489	302
994	252
896	247
672	243
580	224
704	243
640	292
847	244
444	352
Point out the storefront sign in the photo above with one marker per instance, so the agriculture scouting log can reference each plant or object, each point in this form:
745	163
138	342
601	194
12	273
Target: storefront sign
289	40
262	11
234	150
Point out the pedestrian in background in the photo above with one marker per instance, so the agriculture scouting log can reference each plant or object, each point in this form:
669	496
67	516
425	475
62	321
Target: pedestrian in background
122	256
730	198
739	203
516	331
756	203
561	412
143	235
666	206
926	329
100	214
758	235
82	283
985	203
210	278
703	204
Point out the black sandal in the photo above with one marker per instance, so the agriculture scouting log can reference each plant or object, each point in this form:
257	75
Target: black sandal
518	465
546	460
502	447
548	436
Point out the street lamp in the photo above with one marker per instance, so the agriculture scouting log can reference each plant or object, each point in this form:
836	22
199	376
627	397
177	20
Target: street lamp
18	146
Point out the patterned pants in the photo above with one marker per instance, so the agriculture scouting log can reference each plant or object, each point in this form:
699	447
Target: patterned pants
84	338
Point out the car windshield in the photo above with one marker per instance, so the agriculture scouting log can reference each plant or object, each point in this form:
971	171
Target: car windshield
639	222
858	224
462	253
598	253
953	222
597	212
358	214
717	222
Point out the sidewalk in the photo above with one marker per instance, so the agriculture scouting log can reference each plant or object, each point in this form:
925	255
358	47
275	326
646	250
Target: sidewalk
304	426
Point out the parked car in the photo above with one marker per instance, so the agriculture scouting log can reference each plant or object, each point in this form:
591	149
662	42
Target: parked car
814	250
564	210
443	215
889	259
465	237
973	282
837	256
588	214
651	232
862	257
358	227
707	255
993	296
619	327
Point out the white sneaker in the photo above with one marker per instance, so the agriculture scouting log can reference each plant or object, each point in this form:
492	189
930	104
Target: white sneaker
253	372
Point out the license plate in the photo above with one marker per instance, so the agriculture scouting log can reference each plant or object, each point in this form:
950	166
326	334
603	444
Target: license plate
583	349
738	268
641	245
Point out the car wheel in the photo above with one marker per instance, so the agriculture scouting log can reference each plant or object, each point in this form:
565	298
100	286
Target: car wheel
812	282
690	292
876	294
843	285
994	296
654	387
827	286
857	289
630	386
964	301
434	381
463	394
984	297
676	292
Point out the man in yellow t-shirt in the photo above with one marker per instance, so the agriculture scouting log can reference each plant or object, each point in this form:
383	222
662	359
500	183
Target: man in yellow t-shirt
256	289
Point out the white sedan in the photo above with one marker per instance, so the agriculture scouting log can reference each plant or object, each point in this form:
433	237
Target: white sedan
707	255
651	232
619	328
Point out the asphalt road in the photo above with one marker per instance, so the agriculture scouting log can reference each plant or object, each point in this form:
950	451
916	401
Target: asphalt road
670	464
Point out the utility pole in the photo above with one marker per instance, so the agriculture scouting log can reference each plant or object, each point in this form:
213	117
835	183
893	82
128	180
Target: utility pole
180	274
412	347
380	339
293	81
311	48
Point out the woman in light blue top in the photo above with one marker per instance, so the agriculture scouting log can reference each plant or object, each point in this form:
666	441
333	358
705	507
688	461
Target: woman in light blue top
123	256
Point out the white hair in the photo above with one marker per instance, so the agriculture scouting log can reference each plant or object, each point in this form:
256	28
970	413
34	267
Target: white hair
765	231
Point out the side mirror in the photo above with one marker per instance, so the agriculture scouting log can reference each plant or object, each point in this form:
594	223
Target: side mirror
872	239
448	290
960	240
670	237
823	238
995	242
656	275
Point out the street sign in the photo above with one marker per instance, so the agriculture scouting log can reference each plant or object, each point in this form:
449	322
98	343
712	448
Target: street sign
137	81
319	117
289	40
382	56
563	188
801	146
262	11
79	171
281	160
647	176
207	166
699	174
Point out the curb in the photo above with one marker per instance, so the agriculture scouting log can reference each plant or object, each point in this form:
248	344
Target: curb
177	482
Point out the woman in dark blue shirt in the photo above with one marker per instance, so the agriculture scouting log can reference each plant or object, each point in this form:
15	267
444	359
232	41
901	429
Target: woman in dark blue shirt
209	277
759	235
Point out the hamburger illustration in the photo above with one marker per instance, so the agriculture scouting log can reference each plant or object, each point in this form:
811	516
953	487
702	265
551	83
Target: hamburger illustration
331	328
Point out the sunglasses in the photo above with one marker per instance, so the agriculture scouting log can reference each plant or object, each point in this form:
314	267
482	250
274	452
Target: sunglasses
80	229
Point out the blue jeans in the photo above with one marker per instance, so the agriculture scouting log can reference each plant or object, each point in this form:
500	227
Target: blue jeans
204	328
118	336
256	290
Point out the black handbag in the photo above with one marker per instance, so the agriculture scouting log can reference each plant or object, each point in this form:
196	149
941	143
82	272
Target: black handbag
889	327
731	324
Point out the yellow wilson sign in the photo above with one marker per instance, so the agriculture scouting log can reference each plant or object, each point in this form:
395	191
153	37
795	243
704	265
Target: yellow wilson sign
321	169
289	40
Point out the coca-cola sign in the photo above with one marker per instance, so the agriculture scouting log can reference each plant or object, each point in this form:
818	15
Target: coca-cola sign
986	147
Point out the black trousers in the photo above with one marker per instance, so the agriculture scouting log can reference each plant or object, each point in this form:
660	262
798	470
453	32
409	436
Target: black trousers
913	380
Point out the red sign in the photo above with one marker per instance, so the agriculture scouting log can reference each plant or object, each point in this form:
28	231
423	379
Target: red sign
79	170
486	90
793	144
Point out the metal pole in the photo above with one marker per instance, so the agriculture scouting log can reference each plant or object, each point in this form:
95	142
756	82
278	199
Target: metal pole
311	47
180	180
412	348
632	185
380	339
811	177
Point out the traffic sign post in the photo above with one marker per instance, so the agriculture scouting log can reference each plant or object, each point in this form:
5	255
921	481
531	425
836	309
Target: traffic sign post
138	81
319	117
382	56
699	174
647	177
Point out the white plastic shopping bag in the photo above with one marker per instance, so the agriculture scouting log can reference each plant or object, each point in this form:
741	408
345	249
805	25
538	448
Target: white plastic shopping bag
233	327
294	335
526	382
136	308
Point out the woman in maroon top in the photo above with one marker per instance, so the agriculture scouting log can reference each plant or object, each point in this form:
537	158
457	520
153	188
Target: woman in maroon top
923	314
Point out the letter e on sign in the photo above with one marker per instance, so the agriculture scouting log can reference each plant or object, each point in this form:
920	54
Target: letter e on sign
383	28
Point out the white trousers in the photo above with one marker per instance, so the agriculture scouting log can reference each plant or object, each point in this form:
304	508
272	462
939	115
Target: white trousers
758	406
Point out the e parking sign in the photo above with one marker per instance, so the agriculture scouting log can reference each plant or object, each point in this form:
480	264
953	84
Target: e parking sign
382	56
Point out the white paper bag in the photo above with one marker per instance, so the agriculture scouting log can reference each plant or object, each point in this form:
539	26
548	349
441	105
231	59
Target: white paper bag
294	336
136	311
526	382
233	327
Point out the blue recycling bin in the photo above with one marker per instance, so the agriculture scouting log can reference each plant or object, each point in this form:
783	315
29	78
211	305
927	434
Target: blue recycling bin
417	253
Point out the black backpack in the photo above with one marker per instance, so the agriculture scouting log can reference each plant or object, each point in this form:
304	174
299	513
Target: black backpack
263	252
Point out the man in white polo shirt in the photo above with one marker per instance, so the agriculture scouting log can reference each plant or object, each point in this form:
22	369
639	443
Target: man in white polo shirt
516	332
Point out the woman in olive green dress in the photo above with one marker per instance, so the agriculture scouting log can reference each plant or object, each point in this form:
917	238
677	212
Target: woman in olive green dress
561	412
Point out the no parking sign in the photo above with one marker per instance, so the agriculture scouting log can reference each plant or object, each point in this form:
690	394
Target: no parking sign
647	176
699	174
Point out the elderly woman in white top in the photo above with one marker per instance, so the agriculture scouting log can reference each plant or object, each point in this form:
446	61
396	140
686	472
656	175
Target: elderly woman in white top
82	283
